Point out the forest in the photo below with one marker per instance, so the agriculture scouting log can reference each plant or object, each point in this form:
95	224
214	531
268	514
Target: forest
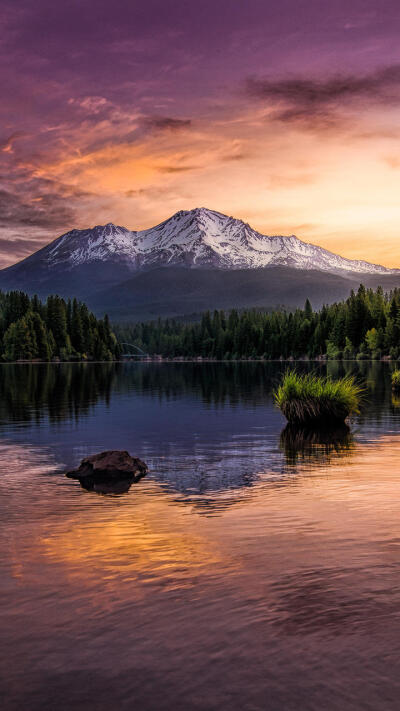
56	329
364	326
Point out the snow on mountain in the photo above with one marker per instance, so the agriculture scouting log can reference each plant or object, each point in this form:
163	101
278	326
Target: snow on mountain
194	238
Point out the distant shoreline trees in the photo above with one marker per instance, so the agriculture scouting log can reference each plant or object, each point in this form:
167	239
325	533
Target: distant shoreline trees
366	325
56	329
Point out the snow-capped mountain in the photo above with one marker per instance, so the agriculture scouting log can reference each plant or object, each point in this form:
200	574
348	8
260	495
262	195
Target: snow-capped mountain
197	260
194	238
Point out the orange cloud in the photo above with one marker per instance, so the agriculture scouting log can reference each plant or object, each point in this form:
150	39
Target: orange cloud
136	170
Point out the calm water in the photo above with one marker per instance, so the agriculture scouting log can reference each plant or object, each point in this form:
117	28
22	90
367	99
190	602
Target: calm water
246	571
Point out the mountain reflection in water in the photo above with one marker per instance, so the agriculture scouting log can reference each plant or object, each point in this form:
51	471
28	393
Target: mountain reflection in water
250	569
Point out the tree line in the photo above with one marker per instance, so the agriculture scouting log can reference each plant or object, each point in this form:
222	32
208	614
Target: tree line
56	329
366	325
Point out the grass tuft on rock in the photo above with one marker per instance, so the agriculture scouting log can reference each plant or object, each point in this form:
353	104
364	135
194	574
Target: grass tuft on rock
317	400
396	380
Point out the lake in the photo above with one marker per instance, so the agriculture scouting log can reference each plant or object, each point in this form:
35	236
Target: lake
248	570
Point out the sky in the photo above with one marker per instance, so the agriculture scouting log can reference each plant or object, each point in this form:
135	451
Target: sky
284	113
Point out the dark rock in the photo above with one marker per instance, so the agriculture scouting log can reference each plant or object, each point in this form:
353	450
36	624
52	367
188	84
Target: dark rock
112	471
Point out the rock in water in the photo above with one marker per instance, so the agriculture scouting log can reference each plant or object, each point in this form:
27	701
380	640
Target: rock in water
109	472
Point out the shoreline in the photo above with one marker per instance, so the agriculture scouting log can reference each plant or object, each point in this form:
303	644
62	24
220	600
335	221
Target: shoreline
199	360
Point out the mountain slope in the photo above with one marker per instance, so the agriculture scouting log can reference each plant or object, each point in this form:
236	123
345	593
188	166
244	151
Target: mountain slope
196	259
194	238
174	291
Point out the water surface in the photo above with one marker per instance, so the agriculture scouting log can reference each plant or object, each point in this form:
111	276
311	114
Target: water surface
244	572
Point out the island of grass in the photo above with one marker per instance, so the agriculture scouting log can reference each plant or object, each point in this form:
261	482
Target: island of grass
396	380
310	399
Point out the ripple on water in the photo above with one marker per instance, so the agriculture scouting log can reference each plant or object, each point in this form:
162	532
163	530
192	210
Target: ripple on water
243	572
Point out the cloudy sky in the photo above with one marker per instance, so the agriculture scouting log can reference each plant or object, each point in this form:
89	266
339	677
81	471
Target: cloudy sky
285	113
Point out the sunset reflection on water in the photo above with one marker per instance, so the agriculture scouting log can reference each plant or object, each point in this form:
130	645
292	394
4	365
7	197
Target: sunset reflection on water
278	590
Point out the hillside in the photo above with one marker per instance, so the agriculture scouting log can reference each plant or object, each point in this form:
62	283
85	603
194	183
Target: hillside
195	260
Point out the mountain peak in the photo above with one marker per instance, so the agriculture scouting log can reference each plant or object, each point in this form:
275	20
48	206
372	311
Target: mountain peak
199	212
109	227
195	238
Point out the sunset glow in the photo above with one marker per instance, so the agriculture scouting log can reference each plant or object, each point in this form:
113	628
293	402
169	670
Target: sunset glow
284	115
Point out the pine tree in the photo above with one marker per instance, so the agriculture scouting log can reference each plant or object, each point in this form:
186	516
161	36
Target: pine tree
76	330
42	341
30	329
308	312
57	320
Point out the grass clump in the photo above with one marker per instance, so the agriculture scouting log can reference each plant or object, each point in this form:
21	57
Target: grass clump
396	380
310	398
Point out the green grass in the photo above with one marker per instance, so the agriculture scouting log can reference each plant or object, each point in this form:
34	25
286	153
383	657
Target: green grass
396	379
310	398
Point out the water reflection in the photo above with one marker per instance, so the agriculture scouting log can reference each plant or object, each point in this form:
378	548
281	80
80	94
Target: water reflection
395	400
65	391
58	391
208	431
114	486
295	590
234	576
302	444
322	600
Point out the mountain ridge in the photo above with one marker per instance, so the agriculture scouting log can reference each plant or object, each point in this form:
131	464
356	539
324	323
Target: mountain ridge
195	260
193	238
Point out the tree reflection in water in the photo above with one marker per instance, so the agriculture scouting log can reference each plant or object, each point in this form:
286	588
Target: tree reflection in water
59	391
65	390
